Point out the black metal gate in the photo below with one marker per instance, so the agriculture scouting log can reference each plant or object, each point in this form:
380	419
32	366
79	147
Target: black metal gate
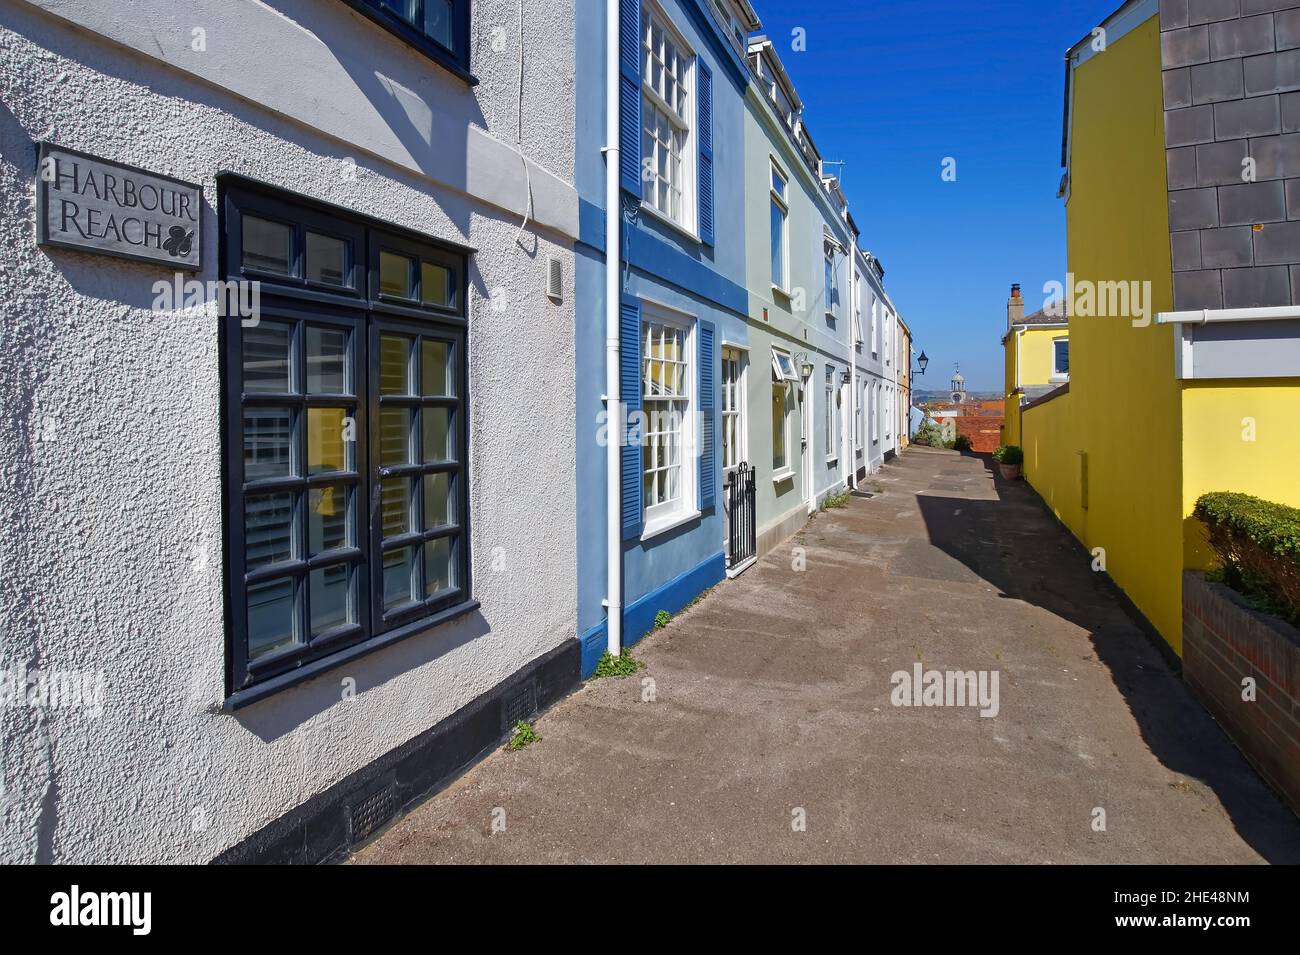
742	536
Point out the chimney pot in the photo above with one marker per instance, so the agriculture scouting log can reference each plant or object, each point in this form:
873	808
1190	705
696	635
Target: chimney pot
1015	307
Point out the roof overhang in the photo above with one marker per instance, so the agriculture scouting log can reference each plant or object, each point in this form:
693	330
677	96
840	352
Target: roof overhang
761	44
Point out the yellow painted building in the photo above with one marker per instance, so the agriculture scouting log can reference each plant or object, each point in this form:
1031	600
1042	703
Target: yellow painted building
1158	409
1036	349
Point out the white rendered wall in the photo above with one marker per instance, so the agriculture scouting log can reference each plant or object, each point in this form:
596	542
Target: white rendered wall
110	481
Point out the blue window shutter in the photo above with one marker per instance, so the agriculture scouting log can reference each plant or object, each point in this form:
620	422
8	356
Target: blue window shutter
629	386
704	113
629	95
708	372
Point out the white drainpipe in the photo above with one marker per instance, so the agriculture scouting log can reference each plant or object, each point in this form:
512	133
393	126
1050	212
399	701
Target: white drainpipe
1020	402
853	365
613	398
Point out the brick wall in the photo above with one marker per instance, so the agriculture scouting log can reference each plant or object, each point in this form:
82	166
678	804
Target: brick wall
1223	643
984	431
1231	71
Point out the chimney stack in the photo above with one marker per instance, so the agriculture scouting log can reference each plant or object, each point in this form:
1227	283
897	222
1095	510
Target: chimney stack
1015	307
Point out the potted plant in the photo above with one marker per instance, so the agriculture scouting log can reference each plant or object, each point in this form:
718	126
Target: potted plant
1009	459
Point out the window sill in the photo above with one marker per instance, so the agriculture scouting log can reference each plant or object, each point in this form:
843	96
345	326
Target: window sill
669	221
780	477
665	524
260	691
778	291
832	461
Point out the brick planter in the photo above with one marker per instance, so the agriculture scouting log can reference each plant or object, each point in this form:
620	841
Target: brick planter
1224	641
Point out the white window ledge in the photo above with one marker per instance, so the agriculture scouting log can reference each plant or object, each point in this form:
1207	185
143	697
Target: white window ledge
785	474
669	221
664	524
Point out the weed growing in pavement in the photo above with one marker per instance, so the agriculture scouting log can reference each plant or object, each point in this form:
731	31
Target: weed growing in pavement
522	735
620	666
835	500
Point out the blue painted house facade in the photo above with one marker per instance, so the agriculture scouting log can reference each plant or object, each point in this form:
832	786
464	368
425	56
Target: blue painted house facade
682	297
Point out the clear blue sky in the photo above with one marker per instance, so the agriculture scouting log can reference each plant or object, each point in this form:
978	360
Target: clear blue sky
893	87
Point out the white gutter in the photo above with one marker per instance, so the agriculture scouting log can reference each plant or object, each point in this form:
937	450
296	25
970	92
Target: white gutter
1205	316
615	412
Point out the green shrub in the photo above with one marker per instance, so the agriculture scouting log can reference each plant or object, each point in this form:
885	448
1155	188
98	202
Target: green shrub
961	443
929	435
1258	543
1010	455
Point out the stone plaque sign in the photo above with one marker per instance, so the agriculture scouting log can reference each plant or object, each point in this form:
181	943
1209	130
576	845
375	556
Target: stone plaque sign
105	207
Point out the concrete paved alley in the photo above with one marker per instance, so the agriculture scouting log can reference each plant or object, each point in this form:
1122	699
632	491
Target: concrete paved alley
771	698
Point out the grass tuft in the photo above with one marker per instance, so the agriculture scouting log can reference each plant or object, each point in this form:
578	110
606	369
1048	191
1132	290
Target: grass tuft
620	666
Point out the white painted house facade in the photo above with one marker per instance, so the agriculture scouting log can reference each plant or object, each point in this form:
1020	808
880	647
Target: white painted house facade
279	567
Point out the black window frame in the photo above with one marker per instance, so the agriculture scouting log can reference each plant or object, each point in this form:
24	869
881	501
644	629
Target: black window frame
454	61
301	303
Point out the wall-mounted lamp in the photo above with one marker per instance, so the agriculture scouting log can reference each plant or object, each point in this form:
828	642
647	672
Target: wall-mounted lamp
846	377
805	366
922	361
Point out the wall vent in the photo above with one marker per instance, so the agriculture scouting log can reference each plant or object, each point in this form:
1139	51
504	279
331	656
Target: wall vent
373	811
519	705
554	279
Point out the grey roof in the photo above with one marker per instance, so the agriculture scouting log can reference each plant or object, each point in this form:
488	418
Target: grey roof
1055	313
1034	392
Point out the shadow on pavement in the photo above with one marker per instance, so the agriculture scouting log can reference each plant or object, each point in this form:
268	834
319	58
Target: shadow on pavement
1016	545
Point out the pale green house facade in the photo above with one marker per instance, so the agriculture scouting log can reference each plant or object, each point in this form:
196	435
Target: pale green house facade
798	242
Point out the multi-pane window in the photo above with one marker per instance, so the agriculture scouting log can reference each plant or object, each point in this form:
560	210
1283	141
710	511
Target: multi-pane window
828	268
780	394
875	415
780	212
733	408
300	482
857	313
828	403
667	477
345	467
832	431
860	421
665	120
419	416
438	27
1061	357
784	379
